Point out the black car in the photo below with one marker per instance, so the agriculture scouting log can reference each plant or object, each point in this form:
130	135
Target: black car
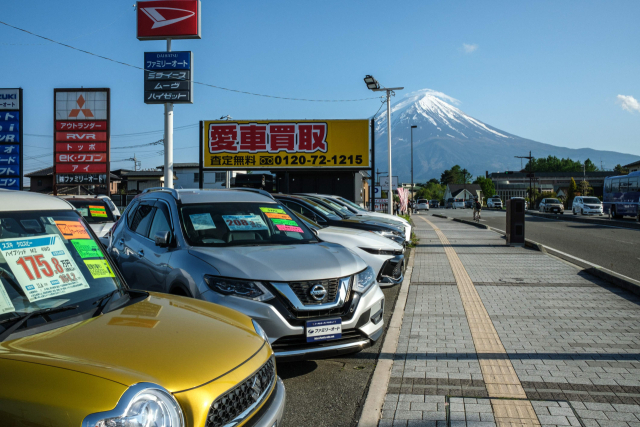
434	203
326	217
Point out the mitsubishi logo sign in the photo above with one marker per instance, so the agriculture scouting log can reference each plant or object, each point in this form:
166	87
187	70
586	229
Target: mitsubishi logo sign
168	19
161	21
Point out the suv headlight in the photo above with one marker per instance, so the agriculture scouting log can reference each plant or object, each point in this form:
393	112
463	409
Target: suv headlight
363	280
398	238
239	288
142	405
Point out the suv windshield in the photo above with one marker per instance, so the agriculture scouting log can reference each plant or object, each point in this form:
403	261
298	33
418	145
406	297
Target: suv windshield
93	211
591	200
350	203
555	201
338	209
242	223
48	259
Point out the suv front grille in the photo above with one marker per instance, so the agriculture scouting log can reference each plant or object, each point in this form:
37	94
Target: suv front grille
226	409
303	291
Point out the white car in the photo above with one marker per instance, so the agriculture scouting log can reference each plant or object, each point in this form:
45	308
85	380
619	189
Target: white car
359	211
494	202
422	205
97	212
383	255
587	206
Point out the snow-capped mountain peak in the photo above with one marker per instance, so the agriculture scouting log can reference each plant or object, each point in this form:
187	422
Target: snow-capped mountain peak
430	108
446	136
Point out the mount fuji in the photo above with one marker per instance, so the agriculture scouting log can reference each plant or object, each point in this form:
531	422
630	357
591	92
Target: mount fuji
446	136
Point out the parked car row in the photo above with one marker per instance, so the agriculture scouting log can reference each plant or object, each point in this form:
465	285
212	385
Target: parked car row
290	277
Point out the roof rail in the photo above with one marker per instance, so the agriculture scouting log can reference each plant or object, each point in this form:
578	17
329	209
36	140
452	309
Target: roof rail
254	190
173	192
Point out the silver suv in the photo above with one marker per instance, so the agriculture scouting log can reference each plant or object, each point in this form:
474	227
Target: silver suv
248	252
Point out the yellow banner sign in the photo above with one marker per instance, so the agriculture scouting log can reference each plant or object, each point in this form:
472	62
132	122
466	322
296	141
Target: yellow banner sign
286	144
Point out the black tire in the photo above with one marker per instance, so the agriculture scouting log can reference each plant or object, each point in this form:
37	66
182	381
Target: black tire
582	212
574	211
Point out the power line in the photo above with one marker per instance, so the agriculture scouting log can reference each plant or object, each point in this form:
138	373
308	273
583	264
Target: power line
194	82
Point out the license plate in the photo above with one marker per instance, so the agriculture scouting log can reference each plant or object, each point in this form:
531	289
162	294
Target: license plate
322	330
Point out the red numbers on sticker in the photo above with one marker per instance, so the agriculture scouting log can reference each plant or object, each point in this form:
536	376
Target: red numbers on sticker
38	265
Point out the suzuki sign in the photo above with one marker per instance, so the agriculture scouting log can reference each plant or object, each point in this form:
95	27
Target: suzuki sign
168	19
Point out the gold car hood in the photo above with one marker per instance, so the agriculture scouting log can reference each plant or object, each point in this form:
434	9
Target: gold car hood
177	342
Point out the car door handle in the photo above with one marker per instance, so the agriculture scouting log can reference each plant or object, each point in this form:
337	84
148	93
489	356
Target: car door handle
141	253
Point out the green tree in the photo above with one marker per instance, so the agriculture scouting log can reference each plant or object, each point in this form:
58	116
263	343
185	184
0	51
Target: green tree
455	175
571	193
488	189
553	164
620	170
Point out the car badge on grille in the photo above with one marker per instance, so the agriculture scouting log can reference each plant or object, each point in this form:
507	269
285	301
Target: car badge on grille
318	292
256	387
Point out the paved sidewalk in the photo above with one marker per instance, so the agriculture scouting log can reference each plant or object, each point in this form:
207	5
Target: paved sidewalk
497	336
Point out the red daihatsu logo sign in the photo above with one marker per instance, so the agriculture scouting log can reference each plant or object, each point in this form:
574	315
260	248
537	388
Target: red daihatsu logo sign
168	19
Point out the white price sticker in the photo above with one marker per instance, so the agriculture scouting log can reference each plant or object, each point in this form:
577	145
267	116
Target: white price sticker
42	266
244	222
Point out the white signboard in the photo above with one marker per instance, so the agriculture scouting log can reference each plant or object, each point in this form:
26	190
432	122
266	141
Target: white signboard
81	105
384	183
9	99
377	191
42	266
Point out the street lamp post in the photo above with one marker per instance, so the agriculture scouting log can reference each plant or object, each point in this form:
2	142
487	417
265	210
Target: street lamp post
412	128
373	85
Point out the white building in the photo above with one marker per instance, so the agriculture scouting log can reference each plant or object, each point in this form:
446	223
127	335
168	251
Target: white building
188	175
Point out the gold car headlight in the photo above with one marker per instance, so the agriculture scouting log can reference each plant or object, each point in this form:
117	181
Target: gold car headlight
142	405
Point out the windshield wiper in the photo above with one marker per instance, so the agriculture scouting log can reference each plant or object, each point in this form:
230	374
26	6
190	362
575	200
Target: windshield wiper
107	299
20	320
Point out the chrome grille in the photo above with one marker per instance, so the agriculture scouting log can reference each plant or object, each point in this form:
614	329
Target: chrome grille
303	291
233	407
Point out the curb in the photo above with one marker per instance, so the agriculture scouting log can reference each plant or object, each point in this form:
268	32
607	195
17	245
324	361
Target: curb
586	220
372	409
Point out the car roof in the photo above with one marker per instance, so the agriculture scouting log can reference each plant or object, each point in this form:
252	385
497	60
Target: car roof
192	196
11	200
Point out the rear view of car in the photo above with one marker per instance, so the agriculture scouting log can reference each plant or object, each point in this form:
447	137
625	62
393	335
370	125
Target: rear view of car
422	205
434	203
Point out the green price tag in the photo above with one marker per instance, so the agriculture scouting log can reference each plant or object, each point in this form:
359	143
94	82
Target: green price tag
87	248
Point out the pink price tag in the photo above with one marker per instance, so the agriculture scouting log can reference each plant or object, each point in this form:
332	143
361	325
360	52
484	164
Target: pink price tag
289	228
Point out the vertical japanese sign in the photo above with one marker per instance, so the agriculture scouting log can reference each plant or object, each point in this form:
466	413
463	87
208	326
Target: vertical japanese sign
168	77
11	166
285	144
81	131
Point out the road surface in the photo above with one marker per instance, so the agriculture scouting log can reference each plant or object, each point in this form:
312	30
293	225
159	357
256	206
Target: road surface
617	249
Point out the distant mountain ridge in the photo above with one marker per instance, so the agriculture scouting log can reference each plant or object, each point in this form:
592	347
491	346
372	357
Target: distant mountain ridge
446	136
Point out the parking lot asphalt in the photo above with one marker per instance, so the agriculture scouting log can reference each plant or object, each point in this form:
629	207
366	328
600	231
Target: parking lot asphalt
617	249
331	392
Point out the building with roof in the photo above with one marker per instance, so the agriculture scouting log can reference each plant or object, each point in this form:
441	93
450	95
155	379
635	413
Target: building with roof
189	175
516	184
463	191
633	167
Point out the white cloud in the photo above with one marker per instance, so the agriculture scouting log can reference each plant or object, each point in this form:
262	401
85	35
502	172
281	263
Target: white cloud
469	48
629	103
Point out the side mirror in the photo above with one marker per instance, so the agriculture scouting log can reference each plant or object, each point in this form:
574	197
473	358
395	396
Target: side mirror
116	217
162	238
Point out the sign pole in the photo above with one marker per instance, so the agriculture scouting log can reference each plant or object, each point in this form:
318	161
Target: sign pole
201	166
373	165
390	210
168	138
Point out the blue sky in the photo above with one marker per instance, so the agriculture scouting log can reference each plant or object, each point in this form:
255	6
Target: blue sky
545	70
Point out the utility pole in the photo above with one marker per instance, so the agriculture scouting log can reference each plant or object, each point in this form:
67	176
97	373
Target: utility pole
412	128
530	175
168	138
375	86
227	181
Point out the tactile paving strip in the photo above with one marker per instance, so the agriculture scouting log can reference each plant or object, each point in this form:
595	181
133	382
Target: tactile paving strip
501	380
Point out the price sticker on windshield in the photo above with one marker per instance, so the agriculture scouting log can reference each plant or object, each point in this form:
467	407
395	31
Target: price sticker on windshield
98	211
42	266
244	222
72	230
